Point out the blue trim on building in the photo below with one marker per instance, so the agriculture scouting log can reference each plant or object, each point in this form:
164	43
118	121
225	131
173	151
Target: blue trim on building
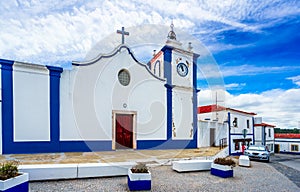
288	152
7	104
85	146
55	73
167	50
195	99
236	154
241	134
287	141
229	134
64	146
167	144
253	127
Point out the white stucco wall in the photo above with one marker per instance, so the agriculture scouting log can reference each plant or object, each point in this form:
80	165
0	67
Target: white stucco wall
182	113
31	103
285	144
258	134
220	116
89	94
221	132
242	122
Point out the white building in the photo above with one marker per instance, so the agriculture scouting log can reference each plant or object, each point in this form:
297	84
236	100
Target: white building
287	143
110	102
264	134
217	123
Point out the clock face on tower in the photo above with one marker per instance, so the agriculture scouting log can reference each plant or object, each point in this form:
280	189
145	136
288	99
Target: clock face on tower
182	69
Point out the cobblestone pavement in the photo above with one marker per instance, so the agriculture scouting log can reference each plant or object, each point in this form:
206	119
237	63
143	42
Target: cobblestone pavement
260	177
293	174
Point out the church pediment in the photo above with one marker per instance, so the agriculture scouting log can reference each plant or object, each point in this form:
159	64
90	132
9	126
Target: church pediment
112	54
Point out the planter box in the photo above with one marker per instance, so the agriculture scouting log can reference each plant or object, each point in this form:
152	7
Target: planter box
139	181
223	171
192	165
16	184
244	161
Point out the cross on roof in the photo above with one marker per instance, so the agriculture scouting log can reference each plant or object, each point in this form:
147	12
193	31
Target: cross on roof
123	32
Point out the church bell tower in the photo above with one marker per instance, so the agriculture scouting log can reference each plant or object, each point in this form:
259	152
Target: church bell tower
180	71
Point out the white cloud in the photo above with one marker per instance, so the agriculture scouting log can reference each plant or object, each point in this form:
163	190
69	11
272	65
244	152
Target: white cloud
235	86
278	107
246	69
54	30
295	79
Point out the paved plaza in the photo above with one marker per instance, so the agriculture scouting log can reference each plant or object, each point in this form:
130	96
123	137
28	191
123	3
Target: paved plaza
112	156
261	177
274	176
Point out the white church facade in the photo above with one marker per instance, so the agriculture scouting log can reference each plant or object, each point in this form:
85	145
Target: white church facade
108	103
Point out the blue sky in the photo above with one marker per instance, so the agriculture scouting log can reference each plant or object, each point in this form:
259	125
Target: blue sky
255	44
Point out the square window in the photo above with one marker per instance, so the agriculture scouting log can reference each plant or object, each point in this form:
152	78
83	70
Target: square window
294	147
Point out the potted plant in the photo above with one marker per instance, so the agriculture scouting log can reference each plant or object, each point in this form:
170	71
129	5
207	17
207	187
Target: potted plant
223	167
10	178
139	178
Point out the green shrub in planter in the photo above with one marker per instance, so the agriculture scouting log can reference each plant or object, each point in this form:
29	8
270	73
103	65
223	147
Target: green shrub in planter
139	178
223	167
10	178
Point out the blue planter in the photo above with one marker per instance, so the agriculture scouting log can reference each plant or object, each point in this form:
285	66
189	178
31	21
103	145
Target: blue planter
139	181
223	171
16	184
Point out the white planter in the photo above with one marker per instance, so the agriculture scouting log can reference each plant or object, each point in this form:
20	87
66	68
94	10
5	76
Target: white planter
138	181
221	170
244	161
191	165
16	184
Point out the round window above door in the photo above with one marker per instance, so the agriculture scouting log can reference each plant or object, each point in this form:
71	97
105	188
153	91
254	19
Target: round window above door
124	77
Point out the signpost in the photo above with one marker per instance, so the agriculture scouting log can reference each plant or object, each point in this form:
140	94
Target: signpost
244	131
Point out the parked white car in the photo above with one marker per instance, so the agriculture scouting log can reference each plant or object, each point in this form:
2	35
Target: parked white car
258	152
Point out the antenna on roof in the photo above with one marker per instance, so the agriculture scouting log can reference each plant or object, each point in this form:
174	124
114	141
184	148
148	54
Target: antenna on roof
217	106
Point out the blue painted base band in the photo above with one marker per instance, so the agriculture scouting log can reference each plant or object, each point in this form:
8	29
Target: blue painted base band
236	154
289	152
167	144
139	185
62	146
89	146
23	187
221	173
